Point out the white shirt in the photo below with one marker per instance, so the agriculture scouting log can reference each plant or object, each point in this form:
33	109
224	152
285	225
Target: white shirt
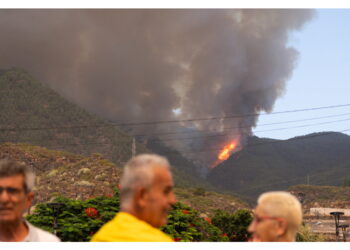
36	234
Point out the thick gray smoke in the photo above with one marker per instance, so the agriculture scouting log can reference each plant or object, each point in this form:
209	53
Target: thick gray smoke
140	65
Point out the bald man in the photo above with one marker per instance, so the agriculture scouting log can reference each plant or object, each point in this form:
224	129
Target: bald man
277	217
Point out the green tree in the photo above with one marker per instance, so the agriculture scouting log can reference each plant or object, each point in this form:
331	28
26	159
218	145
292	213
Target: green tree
185	224
75	223
235	225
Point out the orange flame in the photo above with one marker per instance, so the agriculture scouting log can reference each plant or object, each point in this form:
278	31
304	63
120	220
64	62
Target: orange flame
226	151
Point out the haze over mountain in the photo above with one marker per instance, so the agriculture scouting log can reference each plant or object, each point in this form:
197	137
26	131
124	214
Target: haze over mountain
31	112
34	113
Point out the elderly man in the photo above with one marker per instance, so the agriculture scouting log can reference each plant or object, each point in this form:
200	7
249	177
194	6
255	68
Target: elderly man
146	197
277	217
16	183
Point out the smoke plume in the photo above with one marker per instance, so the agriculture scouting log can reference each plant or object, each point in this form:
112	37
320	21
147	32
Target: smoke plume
140	65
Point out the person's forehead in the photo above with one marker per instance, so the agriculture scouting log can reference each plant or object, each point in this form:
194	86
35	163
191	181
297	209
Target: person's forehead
12	181
260	210
162	175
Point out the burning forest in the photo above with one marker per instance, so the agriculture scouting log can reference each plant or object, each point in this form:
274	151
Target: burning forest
205	68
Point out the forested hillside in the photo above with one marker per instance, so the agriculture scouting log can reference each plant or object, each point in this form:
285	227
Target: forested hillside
265	164
33	113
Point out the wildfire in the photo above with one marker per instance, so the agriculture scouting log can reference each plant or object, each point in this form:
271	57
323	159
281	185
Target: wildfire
226	151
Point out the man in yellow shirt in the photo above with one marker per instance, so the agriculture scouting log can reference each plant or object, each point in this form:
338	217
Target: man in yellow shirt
146	196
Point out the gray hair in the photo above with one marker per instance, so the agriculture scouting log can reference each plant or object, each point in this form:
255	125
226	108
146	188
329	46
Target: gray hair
10	168
138	171
284	205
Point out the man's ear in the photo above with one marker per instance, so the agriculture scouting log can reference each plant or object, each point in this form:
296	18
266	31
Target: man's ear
29	199
140	197
282	227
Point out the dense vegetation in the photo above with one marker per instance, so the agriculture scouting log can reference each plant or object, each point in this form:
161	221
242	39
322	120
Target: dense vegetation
79	220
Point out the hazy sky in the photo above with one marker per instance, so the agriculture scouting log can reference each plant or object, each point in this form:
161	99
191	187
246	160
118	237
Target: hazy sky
321	78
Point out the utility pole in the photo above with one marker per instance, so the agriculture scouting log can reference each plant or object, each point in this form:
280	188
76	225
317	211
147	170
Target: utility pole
308	180
133	147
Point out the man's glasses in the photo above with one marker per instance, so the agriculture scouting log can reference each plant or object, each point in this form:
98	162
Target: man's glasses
259	219
11	191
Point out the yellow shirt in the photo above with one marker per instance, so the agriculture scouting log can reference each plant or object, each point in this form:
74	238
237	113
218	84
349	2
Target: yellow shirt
125	227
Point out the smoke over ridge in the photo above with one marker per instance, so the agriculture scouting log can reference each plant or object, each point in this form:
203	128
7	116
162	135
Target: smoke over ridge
140	65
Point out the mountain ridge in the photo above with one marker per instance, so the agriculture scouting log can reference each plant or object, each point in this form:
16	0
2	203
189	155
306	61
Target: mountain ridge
264	165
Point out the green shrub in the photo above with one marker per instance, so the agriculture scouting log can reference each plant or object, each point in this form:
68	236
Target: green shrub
79	220
185	224
306	235
74	224
234	225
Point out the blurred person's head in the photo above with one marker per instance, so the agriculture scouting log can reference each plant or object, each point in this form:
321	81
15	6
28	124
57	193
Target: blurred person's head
16	183
147	189
277	217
